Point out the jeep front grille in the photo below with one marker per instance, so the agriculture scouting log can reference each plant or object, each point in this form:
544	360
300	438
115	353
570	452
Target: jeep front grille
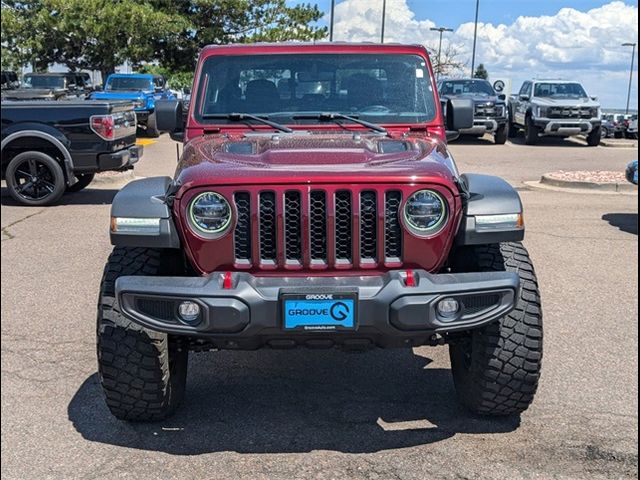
318	228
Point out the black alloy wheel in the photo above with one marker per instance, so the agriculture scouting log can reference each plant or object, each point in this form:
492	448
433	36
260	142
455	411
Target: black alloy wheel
35	178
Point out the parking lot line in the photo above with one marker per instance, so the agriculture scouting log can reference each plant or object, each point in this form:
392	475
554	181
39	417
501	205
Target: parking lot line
145	141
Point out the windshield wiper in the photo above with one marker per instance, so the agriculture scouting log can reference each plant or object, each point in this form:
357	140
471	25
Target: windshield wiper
332	116
243	117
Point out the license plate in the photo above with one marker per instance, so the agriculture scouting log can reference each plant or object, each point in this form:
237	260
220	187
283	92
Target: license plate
319	312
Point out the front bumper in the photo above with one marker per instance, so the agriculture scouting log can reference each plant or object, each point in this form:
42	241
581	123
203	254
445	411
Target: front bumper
484	125
566	127
248	315
120	159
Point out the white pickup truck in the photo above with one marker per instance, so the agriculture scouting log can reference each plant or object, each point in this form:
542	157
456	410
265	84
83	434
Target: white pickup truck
554	108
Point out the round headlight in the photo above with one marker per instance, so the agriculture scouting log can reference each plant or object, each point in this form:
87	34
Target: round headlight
210	213
425	212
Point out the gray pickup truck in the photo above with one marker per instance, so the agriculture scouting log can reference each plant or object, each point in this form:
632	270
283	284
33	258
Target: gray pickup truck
554	108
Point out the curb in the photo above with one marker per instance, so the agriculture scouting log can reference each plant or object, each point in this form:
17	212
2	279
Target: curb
583	187
609	144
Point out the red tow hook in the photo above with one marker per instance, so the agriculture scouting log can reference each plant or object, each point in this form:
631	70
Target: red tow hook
227	281
410	278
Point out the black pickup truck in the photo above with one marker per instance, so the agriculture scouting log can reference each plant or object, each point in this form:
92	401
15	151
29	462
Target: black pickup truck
49	148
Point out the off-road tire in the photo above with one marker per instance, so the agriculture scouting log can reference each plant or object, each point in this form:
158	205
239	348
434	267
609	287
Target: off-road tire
604	132
496	369
152	126
594	137
83	182
501	134
51	166
143	373
530	132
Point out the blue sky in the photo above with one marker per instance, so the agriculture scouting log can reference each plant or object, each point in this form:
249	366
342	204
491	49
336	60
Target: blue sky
455	12
517	39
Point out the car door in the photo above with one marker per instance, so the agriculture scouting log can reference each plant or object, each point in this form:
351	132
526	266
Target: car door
522	105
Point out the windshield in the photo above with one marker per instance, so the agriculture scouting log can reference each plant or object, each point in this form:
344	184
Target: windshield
382	88
128	83
44	81
466	87
556	90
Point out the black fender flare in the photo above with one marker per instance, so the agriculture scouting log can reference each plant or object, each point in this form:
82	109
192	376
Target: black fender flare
145	199
44	132
488	195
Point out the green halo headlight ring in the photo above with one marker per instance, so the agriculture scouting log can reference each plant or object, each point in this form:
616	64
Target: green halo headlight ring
432	229
209	232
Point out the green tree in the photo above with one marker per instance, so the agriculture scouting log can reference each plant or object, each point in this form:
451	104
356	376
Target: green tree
102	34
216	22
95	35
481	72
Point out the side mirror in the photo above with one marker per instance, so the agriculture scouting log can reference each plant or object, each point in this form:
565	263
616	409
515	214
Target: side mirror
458	116
169	117
502	97
525	98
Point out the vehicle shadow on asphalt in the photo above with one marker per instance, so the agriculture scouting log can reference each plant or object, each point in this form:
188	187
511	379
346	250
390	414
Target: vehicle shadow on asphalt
626	222
88	196
570	142
473	140
297	401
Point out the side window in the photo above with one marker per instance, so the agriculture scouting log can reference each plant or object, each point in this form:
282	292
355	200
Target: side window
526	89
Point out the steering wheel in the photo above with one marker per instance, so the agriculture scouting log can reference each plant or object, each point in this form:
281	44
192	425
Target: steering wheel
376	109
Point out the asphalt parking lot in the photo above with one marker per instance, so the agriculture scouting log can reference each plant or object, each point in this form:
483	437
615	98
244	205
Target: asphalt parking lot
327	414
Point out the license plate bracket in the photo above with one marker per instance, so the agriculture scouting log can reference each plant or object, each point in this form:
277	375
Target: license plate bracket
319	312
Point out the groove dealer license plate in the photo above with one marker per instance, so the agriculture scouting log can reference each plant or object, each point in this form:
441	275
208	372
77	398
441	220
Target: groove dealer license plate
319	312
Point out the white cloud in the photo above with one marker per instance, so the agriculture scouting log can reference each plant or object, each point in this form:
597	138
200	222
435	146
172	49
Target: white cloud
582	45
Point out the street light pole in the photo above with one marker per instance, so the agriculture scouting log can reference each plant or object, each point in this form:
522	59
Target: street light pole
384	14
475	37
333	11
441	30
633	57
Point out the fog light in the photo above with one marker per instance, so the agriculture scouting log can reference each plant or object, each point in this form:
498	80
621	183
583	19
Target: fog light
448	308
189	311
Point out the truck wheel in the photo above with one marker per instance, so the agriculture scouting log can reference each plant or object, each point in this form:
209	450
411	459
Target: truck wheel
83	182
152	126
593	139
500	136
604	132
496	369
530	132
35	179
143	373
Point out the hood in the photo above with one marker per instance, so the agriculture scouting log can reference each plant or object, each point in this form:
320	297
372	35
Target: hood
305	157
565	102
119	95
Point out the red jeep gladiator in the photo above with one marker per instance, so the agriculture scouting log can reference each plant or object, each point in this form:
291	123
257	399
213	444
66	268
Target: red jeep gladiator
316	204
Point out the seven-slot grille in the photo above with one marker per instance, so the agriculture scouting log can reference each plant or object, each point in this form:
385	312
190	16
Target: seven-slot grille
318	228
